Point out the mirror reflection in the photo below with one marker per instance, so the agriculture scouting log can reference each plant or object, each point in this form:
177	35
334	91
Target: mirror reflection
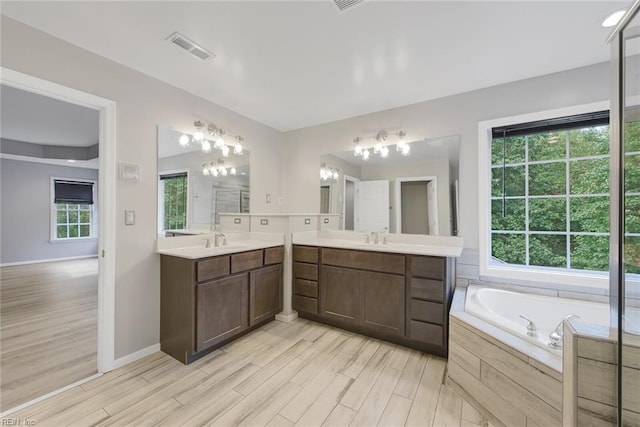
194	187
414	194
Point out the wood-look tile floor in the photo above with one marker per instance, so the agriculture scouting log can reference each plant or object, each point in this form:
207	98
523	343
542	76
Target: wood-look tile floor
283	374
48	327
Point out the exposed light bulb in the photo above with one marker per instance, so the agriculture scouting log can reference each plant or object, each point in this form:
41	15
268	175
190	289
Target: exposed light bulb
402	135
223	171
214	172
613	19
238	148
205	169
384	152
233	171
184	140
405	150
377	148
198	136
335	174
206	146
357	150
219	143
365	154
225	151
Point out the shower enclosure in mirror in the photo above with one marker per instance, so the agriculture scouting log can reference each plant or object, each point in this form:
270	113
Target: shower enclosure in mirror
414	194
195	187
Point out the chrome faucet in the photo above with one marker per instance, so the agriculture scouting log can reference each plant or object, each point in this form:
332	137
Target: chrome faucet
374	237
207	242
531	327
221	239
555	337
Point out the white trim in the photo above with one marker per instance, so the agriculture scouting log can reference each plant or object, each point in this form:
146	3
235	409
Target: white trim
130	358
344	200
398	200
53	222
83	164
39	261
287	317
46	396
106	196
488	271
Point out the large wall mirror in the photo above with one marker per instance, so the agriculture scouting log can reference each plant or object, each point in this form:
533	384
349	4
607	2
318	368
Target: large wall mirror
414	194
195	187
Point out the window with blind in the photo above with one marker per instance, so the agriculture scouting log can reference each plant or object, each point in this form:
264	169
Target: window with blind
73	209
174	200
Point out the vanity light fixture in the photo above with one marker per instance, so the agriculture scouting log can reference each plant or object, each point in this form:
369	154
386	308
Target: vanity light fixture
329	172
380	146
215	139
217	168
233	171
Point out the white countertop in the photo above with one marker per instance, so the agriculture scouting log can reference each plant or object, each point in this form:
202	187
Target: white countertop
193	247
443	246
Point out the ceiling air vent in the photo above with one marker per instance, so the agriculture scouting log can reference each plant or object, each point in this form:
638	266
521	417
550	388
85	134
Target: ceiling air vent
346	4
191	47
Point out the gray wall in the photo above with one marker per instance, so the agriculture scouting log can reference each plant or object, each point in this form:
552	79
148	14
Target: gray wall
25	212
452	115
142	103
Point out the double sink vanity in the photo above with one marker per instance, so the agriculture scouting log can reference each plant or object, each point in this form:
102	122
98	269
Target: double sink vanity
399	291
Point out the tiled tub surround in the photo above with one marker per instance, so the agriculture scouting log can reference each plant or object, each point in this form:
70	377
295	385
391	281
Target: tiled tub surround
590	376
513	381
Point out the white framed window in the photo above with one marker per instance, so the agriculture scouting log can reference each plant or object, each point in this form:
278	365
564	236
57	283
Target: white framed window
544	199
73	209
174	193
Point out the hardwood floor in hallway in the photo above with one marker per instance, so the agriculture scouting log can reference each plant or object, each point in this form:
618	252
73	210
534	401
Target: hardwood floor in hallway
48	327
283	374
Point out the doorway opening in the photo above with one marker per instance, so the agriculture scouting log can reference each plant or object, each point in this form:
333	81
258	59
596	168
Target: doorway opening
417	205
348	209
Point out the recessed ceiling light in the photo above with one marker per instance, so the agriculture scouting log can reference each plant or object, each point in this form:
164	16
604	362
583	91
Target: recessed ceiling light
613	19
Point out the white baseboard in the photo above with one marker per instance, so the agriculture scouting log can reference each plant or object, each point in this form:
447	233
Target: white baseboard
129	358
287	317
38	261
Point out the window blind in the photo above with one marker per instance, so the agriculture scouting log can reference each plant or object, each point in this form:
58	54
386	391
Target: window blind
559	123
74	192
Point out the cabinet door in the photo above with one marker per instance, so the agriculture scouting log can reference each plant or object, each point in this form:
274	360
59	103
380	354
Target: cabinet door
221	309
383	302
340	294
265	293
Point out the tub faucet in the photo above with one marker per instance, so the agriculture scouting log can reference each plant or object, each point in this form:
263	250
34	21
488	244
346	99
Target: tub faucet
555	337
531	327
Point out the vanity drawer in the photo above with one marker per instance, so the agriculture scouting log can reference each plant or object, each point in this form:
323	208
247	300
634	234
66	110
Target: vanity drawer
274	255
374	261
428	267
306	288
428	289
426	332
427	311
305	304
246	261
212	268
305	254
305	271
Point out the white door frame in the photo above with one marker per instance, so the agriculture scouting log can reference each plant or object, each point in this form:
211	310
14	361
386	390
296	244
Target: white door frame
398	200
344	198
106	197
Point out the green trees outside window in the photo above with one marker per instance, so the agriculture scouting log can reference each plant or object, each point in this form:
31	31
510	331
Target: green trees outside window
550	198
175	202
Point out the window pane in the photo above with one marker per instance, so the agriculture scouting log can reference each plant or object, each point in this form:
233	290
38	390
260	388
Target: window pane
85	231
72	207
632	136
513	150
61	217
589	176
632	174
590	214
61	206
547	179
61	232
632	254
547	214
548	250
589	141
632	214
509	248
547	146
73	231
84	207
514	181
85	216
512	218
590	253
73	217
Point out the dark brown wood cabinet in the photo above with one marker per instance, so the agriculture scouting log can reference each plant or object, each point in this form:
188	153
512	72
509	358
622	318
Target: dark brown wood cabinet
205	303
400	298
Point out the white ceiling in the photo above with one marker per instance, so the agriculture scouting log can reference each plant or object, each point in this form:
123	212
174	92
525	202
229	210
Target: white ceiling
295	64
33	118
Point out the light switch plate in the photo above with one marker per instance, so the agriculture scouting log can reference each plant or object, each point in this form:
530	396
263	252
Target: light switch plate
129	217
307	221
268	198
237	220
264	222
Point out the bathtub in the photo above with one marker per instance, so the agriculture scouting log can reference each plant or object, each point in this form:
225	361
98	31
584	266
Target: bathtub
503	308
